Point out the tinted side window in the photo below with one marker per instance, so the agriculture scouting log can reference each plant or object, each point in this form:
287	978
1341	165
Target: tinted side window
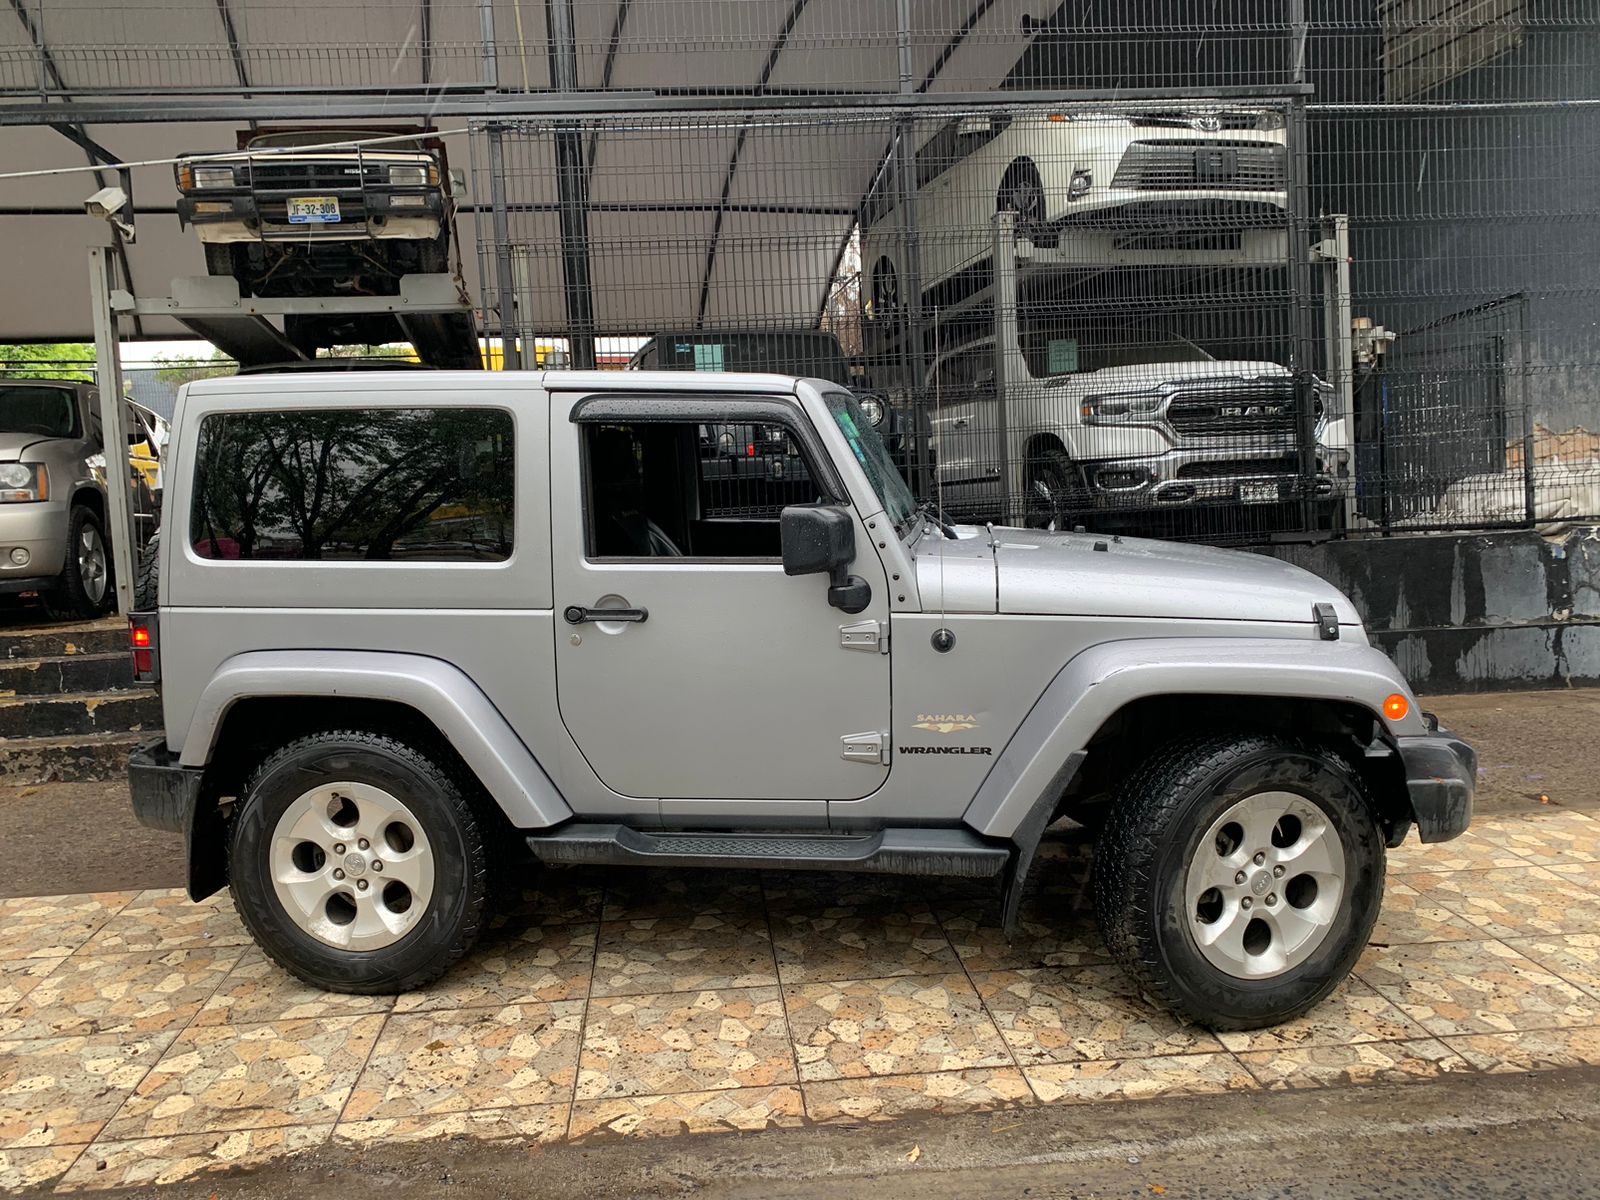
669	490
376	485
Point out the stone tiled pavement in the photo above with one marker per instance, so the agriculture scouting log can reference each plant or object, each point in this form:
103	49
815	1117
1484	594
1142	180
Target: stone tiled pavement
142	1038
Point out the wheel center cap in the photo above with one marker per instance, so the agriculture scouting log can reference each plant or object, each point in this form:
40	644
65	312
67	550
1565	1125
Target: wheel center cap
1261	883
355	864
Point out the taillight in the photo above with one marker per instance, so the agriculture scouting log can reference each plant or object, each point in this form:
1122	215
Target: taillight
145	643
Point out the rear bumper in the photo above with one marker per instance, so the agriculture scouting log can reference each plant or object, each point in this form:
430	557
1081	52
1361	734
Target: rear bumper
167	795
1441	775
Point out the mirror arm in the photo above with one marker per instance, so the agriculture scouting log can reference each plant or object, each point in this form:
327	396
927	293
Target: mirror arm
846	592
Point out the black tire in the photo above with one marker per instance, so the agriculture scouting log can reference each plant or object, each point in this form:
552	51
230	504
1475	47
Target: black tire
1141	863
220	260
1022	192
74	594
885	290
1063	502
448	926
147	583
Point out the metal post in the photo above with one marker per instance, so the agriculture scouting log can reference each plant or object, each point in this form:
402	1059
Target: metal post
40	54
488	51
108	382
1296	13
1006	344
572	190
1300	290
1524	353
1336	307
505	278
913	318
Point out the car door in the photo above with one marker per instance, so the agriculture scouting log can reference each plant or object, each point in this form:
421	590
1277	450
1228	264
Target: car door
966	447
715	676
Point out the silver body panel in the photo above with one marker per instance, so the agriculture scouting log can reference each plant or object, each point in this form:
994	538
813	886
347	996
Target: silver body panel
728	707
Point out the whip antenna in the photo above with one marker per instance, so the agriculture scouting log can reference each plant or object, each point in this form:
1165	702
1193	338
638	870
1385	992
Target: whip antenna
938	481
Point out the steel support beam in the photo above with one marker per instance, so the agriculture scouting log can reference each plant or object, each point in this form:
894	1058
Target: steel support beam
572	191
913	326
1302	313
440	103
504	272
424	40
1007	347
489	60
108	382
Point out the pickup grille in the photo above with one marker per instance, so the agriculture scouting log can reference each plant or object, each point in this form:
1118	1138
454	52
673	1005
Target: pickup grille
311	176
1238	410
1172	165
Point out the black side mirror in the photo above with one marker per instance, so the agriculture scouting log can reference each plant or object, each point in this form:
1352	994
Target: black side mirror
820	539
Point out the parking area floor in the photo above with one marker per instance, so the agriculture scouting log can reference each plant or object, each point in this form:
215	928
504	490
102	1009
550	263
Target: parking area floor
143	1039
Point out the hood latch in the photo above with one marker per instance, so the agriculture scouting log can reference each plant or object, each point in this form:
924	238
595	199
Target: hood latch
1327	621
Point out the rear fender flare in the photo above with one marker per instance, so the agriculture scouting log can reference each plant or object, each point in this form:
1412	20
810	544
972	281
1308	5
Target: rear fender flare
442	693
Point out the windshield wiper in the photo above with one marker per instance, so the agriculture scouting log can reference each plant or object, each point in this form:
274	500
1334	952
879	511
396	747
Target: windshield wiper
929	510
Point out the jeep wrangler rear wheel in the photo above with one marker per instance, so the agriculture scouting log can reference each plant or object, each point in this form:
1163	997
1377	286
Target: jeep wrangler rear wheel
1239	876
357	864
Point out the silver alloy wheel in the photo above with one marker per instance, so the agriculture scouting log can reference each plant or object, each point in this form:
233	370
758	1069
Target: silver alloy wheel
92	562
1264	885
352	866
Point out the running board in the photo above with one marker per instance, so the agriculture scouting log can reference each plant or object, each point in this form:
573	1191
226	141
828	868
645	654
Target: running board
943	852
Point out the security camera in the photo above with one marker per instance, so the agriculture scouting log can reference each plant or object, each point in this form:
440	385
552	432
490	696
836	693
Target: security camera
107	202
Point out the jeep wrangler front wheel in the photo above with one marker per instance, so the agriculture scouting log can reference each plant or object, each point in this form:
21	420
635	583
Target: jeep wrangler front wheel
357	864
1239	876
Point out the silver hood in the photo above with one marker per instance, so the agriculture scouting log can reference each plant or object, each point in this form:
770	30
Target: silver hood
1063	573
13	444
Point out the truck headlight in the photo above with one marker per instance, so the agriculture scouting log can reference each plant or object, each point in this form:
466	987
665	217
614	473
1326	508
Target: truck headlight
1082	181
413	175
872	409
1270	120
23	482
1128	406
213	177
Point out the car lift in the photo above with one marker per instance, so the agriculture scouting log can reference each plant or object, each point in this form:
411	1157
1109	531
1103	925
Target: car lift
432	311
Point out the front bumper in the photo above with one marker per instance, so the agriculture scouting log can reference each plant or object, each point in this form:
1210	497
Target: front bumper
167	795
1197	475
1441	775
226	217
41	530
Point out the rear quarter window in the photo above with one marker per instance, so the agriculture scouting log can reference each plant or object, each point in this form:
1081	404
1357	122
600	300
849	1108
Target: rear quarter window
349	485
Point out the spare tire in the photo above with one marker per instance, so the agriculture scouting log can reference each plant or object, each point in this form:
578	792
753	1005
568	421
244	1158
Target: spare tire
147	581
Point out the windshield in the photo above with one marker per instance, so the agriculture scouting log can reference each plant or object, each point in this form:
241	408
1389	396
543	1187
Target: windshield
810	355
46	411
324	137
1057	344
893	494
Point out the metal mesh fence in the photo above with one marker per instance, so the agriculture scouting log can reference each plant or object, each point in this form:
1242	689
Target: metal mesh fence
1232	272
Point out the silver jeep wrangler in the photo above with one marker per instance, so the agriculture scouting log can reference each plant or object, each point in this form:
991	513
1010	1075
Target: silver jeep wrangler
412	622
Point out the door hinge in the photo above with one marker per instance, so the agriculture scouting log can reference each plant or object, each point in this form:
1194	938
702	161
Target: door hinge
871	636
870	747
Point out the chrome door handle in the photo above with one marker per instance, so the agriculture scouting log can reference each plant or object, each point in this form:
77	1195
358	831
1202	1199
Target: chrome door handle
578	615
959	423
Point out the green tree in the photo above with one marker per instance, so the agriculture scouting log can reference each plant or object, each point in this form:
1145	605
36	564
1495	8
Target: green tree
48	360
179	371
